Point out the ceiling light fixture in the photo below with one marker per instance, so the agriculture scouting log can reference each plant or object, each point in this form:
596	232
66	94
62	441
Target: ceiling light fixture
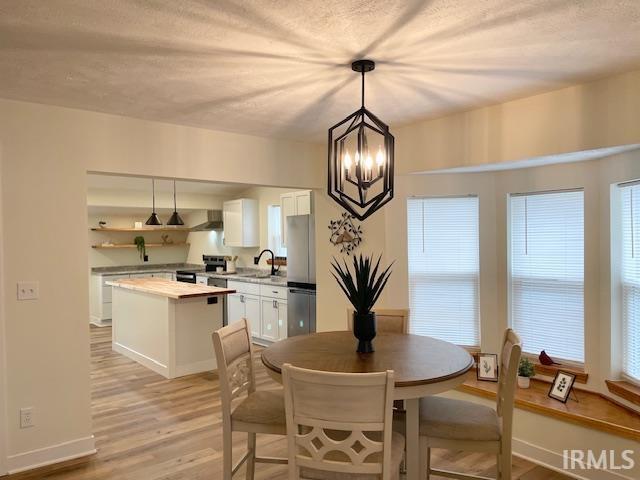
175	218
153	219
361	158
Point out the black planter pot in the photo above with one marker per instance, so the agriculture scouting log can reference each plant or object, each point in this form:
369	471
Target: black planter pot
364	329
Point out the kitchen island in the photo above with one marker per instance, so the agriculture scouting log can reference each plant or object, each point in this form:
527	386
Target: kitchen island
165	325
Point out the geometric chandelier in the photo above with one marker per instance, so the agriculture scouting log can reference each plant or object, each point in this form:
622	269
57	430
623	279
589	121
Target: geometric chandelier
361	158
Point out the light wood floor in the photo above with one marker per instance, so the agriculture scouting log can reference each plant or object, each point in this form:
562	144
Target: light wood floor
150	428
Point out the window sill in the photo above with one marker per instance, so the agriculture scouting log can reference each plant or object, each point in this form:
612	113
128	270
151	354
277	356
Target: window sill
551	370
591	411
626	390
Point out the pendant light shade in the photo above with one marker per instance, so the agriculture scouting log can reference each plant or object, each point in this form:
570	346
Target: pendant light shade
175	218
361	158
153	220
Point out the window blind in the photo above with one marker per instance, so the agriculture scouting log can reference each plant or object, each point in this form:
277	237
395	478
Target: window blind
444	268
274	231
630	280
547	272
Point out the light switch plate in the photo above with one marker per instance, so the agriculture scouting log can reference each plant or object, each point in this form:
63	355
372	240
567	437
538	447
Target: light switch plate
28	290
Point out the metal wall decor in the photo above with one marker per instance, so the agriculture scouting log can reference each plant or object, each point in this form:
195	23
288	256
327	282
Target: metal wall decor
345	233
361	158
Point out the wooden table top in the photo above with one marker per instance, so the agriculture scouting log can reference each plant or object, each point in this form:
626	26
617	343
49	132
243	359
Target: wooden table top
169	288
415	360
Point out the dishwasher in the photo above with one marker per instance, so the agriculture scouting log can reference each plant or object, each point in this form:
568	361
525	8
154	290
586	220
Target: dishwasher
222	283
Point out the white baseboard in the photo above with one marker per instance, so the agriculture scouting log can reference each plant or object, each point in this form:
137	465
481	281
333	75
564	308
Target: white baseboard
142	359
52	454
554	461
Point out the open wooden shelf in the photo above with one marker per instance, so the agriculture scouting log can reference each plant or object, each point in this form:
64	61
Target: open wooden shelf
592	410
147	245
142	230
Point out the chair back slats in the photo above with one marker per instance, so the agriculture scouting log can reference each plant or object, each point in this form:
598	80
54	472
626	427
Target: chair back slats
387	320
234	356
509	363
338	422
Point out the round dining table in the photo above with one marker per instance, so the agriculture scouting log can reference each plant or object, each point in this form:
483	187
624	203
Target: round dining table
422	366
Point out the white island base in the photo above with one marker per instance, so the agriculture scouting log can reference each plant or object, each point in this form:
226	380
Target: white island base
169	336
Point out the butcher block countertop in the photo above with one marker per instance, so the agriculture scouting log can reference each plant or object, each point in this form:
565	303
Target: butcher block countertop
169	288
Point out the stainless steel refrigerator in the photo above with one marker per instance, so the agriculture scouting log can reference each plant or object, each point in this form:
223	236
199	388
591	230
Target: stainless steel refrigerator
301	275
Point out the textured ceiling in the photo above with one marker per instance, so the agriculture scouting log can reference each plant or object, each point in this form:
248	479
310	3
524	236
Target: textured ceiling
280	68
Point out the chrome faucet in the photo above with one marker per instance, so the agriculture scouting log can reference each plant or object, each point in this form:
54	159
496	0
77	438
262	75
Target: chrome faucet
256	260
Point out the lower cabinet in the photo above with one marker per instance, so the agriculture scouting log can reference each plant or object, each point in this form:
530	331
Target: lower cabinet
241	305
274	319
267	315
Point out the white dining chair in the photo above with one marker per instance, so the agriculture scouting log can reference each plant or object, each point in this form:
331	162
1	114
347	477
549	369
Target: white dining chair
461	425
244	409
387	320
339	425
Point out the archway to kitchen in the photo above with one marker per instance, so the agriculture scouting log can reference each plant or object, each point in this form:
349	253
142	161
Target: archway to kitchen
131	396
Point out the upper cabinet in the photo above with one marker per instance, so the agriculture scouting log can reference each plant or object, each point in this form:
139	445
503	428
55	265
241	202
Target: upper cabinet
241	223
294	203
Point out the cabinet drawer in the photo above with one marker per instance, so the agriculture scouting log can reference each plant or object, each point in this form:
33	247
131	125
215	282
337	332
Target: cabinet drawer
273	292
244	287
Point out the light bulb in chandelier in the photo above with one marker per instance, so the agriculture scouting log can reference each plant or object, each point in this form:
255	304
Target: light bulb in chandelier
357	158
347	161
380	157
368	163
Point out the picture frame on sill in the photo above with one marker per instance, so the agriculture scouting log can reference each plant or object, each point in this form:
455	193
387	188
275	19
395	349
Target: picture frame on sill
561	386
487	367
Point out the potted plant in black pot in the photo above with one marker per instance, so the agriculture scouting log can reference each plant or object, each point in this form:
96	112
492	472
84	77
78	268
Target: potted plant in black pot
363	288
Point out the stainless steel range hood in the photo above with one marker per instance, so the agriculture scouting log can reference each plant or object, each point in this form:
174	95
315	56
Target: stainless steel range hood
214	222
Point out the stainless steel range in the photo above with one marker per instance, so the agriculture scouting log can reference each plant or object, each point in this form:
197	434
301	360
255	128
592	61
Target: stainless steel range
211	264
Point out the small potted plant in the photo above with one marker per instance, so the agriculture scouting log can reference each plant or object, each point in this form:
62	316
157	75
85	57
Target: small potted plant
142	249
526	370
362	288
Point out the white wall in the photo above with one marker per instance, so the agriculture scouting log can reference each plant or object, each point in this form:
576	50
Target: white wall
47	152
493	189
3	384
598	114
130	256
210	243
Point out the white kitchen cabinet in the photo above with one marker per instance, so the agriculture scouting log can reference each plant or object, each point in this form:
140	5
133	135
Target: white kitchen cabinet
269	319
252	313
201	280
235	307
241	223
294	203
100	298
273	319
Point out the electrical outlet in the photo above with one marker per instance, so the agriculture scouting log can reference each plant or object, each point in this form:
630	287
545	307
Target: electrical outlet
26	417
28	290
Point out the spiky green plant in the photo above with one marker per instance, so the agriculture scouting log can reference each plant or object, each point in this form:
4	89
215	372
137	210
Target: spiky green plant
364	286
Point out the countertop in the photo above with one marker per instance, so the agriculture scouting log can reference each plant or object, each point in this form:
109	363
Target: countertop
278	281
169	288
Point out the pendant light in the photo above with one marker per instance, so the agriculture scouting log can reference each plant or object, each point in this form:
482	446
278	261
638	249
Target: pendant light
153	219
175	218
361	158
